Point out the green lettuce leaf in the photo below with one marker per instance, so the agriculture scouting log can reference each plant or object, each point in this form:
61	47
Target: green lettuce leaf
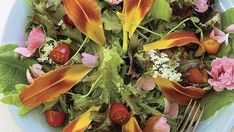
111	21
215	101
161	10
14	99
12	69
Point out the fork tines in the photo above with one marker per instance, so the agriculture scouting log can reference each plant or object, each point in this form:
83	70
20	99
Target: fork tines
191	117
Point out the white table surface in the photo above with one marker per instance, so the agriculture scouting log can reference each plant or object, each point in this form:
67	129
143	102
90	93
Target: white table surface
7	123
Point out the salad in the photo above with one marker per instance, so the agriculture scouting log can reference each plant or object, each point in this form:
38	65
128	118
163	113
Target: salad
120	65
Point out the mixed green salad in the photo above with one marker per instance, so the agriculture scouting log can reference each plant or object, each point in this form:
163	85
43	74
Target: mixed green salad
120	65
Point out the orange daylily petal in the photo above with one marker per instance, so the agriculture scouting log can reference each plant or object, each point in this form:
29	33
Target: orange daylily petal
197	75
133	13
131	126
81	123
179	38
176	93
86	16
50	86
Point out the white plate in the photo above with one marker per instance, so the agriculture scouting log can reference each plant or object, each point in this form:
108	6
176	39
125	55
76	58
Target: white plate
222	121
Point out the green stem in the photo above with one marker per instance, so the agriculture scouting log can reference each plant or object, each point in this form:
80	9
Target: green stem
77	52
173	29
125	41
156	34
142	35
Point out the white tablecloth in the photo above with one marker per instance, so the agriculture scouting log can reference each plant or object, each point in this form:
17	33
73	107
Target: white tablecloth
7	123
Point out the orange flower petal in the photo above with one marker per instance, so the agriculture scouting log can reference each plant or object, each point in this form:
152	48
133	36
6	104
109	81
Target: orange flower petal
211	45
133	13
131	126
176	93
86	16
81	123
48	87
179	38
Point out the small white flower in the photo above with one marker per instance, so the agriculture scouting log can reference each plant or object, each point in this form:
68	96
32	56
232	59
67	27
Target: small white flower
164	67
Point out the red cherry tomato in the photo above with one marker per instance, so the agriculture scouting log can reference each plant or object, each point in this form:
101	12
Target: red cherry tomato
60	54
68	21
119	114
55	118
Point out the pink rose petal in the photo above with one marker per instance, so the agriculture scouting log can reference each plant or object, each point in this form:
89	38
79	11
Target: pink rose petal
230	29
146	83
114	2
161	125
222	74
171	109
29	76
33	72
218	35
89	60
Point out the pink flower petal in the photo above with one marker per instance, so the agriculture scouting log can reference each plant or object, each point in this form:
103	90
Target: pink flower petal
161	125
230	29
201	6
146	83
89	60
29	76
24	51
171	109
218	35
114	2
35	39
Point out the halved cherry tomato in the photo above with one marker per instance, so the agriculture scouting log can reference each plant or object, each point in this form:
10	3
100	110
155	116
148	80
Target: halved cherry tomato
60	54
119	114
55	118
197	75
68	21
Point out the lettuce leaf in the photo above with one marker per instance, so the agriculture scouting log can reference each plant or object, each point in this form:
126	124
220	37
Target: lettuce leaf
12	69
161	10
215	101
14	99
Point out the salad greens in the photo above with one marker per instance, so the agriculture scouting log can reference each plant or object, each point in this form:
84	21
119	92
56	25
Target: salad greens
152	71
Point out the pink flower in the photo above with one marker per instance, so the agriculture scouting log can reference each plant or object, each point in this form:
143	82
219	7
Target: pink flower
33	72
161	125
201	6
171	109
35	39
89	60
146	83
230	29
219	35
114	2
222	74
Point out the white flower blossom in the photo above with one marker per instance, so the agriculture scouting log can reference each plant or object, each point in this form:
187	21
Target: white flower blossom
164	67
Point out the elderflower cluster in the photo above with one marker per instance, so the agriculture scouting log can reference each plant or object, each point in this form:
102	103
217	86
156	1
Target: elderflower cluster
164	67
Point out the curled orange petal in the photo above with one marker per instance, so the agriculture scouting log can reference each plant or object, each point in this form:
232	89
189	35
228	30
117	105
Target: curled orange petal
86	16
176	93
81	123
133	13
176	39
197	75
211	45
50	86
131	126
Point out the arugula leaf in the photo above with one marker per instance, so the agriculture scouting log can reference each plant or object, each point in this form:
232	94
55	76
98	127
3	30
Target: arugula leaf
111	21
12	69
14	99
161	10
215	101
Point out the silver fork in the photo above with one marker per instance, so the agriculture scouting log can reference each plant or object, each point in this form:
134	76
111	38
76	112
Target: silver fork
191	117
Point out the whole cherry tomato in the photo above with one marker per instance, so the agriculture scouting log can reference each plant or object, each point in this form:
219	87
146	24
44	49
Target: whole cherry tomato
60	54
119	114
